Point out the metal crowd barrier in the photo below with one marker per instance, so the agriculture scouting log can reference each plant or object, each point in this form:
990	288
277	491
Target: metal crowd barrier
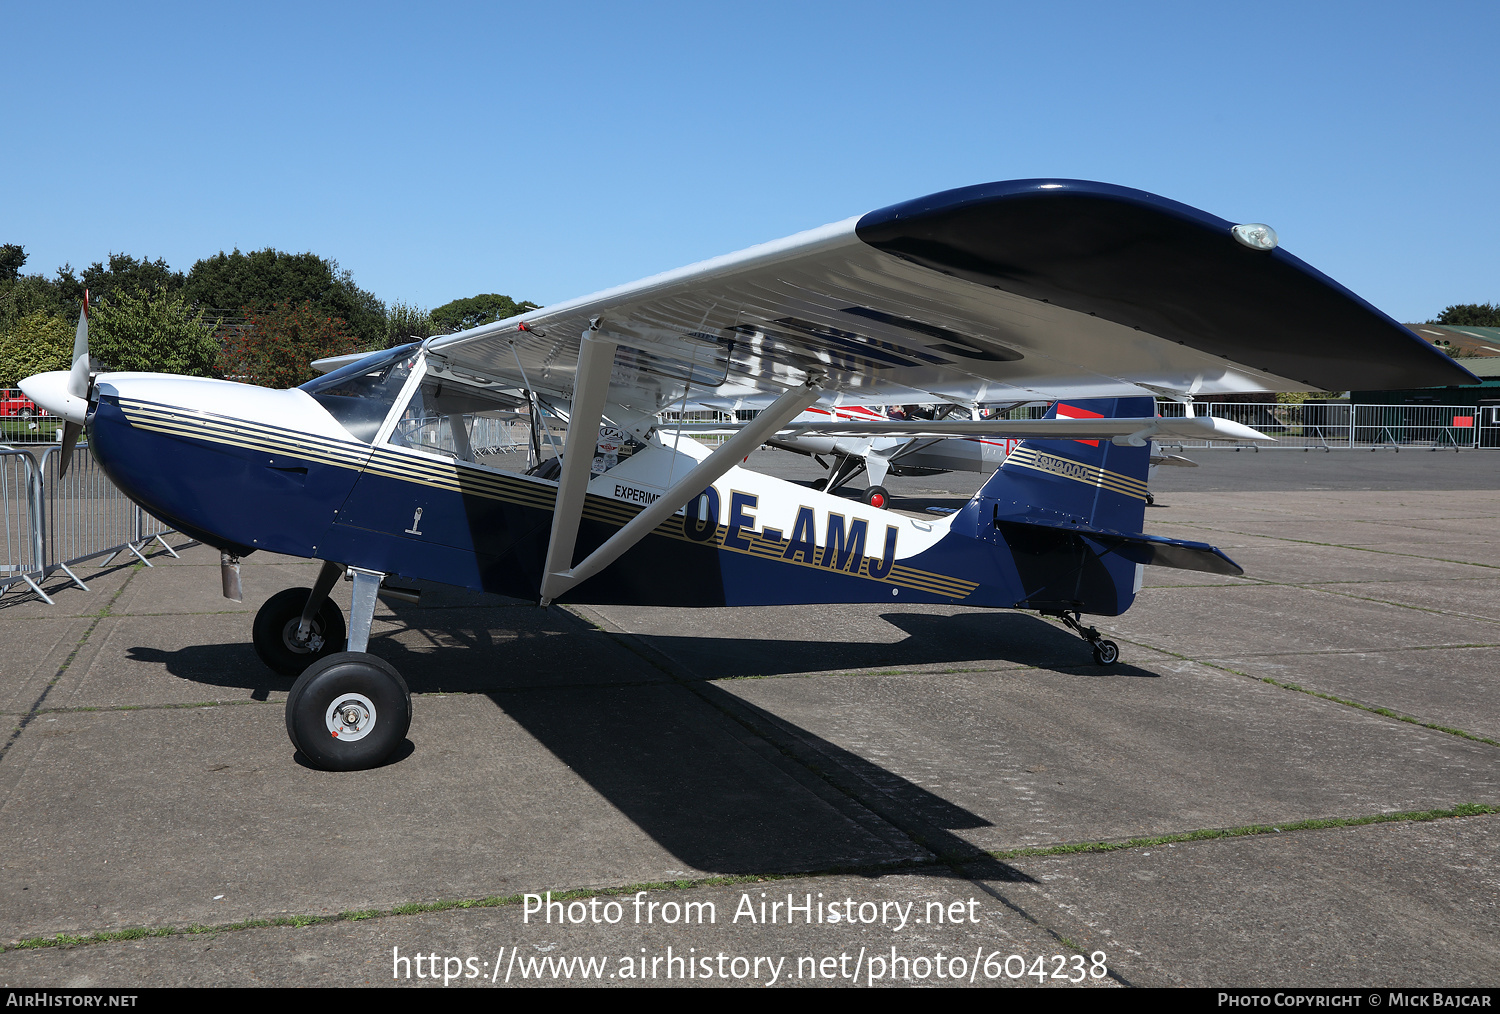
491	435
20	501
57	522
1330	425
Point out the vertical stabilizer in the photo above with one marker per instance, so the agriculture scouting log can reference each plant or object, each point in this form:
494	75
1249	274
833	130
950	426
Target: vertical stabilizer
1050	495
1085	483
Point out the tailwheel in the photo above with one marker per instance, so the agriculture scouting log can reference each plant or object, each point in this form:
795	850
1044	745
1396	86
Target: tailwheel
276	631
1106	652
878	496
348	712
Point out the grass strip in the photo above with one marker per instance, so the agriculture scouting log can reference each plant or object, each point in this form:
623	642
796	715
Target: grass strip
1373	709
1210	834
420	908
506	900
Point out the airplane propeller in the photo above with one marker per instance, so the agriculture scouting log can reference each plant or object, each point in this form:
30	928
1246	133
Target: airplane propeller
67	394
80	385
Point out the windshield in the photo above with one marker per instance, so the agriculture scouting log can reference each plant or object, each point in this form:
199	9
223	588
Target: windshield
361	394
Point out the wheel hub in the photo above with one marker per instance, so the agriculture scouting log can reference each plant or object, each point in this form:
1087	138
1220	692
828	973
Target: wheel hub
311	646
350	717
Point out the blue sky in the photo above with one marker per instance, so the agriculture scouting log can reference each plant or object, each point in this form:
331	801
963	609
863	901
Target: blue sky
547	150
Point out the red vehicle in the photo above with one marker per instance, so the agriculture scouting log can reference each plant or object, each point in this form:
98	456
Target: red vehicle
15	405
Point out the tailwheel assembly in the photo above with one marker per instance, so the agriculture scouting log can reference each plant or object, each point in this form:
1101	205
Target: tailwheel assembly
1106	652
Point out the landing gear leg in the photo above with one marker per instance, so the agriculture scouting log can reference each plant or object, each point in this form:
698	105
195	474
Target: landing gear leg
845	467
362	609
1105	652
299	625
327	578
350	711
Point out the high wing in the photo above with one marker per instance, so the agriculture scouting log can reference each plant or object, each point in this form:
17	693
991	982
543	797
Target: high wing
1014	291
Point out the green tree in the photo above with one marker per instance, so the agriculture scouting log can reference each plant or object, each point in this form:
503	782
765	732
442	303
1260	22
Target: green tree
462	314
124	276
263	279
155	332
12	258
404	322
278	345
36	343
29	294
1472	314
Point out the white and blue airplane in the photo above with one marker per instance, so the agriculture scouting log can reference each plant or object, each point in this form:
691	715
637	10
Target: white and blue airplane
1093	296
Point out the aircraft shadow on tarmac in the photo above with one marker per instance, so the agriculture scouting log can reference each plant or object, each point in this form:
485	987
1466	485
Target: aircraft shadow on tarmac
683	766
1006	638
720	783
529	648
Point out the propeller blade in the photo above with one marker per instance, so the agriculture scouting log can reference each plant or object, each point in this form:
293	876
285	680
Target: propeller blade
69	439
78	376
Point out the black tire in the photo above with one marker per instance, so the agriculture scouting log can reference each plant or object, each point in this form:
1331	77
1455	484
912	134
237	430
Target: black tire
878	496
1106	652
276	627
315	715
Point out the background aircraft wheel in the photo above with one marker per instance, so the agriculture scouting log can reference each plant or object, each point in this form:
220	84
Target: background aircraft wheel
878	496
275	632
1106	652
348	711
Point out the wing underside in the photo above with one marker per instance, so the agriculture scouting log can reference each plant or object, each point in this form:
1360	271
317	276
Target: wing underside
1007	292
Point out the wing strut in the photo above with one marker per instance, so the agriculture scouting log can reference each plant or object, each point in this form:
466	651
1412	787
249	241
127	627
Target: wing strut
596	358
585	420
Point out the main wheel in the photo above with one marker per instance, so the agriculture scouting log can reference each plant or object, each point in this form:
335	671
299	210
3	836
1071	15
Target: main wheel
348	712
878	496
1106	652
275	632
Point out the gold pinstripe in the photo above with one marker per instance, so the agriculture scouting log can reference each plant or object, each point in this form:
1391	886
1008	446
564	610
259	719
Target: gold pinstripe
458	477
1062	468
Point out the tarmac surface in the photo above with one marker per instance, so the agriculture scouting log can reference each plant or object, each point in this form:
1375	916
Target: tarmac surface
1257	757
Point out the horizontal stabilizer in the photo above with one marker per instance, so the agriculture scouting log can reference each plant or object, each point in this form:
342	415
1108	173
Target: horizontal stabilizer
1151	550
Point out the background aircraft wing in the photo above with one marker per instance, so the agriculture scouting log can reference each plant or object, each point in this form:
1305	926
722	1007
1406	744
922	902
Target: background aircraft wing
1015	291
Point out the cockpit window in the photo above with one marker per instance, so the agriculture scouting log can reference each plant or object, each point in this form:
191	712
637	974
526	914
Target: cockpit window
361	394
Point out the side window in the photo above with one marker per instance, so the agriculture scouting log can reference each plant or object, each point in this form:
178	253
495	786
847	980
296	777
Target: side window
464	423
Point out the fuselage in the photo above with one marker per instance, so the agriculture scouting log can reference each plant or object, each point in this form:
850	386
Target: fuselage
245	468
